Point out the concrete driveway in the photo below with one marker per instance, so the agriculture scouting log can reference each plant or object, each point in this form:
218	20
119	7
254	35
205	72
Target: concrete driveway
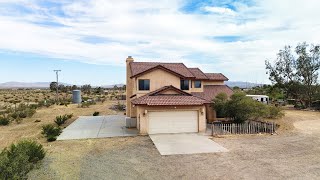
86	127
191	143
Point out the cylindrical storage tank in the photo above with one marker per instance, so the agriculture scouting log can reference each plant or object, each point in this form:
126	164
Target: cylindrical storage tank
76	96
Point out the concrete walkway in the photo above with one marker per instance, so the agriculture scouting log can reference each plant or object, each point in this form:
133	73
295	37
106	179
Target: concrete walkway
191	143
86	127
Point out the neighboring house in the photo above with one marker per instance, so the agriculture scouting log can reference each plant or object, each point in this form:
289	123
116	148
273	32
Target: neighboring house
261	98
171	98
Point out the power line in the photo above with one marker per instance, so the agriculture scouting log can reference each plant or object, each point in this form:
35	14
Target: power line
57	88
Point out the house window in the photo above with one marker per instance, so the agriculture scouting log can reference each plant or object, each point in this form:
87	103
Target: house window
184	84
144	84
197	84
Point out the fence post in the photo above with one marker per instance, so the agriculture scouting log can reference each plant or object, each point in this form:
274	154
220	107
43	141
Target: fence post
212	129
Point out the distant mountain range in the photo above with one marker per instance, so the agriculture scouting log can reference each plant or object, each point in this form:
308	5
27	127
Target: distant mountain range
242	84
40	85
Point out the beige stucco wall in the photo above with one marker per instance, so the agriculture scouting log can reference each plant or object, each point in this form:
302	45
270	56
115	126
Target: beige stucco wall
143	122
158	79
213	82
210	113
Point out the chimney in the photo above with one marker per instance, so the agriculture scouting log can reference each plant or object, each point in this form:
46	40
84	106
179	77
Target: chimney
129	85
129	59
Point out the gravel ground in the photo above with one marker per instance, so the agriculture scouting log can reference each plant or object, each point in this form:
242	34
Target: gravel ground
294	155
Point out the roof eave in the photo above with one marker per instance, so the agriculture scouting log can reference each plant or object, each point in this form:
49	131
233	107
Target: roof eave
160	67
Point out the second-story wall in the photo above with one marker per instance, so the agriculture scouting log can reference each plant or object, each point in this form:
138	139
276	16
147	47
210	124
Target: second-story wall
158	78
211	82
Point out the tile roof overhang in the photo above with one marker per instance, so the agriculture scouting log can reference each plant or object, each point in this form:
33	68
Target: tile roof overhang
216	76
211	91
182	98
198	74
179	69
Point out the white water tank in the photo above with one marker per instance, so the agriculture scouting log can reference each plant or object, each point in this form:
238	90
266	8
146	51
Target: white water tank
76	96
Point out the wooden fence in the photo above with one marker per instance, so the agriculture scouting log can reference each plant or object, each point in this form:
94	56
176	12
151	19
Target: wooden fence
252	127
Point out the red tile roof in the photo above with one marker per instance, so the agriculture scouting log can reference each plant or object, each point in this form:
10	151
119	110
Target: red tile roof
211	91
216	76
155	98
138	68
179	69
198	74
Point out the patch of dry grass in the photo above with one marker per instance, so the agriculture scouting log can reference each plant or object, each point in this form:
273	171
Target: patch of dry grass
291	116
29	129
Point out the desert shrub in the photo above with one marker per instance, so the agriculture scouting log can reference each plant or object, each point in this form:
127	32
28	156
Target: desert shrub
69	116
46	102
241	108
4	121
274	112
84	105
30	112
87	104
14	115
33	106
18	120
96	113
32	149
61	119
17	160
118	107
51	132
22	114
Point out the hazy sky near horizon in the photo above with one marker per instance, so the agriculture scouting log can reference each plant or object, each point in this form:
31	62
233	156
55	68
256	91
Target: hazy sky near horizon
89	40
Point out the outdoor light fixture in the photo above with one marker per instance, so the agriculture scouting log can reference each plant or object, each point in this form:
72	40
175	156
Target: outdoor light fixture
145	112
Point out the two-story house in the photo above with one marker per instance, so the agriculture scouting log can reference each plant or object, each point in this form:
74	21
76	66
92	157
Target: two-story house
171	98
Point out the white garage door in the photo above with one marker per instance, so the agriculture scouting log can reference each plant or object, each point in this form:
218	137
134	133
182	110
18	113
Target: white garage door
173	122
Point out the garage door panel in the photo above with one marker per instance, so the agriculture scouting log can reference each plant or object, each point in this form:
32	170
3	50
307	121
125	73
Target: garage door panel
173	122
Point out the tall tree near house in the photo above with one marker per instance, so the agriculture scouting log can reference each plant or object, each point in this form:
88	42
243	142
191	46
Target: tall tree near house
296	75
308	64
283	72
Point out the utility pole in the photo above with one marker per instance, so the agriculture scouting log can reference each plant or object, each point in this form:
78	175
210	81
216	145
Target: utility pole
57	74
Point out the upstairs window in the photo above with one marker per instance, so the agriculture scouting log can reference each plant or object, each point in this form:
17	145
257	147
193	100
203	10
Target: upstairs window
197	84
144	84
184	84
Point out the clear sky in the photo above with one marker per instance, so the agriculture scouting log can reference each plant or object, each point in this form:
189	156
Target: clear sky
90	39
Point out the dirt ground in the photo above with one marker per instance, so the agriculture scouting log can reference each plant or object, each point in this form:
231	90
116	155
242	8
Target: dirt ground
29	129
292	154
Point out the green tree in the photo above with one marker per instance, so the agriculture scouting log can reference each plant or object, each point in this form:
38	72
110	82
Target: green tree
308	64
296	74
53	86
220	102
